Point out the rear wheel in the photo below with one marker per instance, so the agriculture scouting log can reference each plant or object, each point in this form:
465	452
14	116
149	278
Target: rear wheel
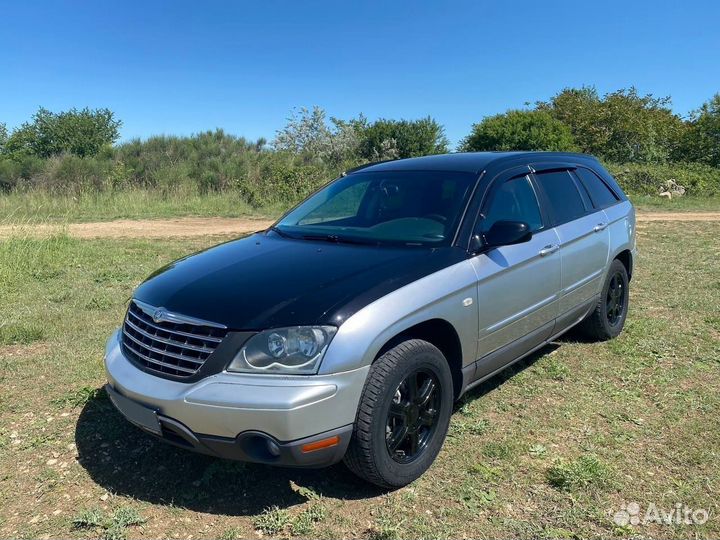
608	318
403	415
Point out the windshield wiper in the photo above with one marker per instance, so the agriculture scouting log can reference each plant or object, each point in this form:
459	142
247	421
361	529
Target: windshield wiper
281	232
339	239
324	237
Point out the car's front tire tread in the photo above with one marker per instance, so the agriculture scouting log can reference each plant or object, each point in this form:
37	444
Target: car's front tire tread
360	457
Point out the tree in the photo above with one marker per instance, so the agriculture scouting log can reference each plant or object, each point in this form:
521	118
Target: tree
702	139
639	128
308	133
579	109
80	132
622	126
519	130
391	139
20	142
3	136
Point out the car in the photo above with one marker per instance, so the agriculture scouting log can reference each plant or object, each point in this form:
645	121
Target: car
348	329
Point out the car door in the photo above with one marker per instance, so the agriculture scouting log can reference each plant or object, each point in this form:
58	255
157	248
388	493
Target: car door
518	284
583	237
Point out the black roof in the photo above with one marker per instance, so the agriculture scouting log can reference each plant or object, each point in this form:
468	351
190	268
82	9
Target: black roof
465	161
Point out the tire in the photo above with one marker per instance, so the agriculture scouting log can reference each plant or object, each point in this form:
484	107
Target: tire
386	405
607	319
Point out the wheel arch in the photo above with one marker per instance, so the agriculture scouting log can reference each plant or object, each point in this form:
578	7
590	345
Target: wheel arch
625	257
443	335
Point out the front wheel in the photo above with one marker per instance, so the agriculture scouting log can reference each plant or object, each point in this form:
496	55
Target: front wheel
403	415
608	318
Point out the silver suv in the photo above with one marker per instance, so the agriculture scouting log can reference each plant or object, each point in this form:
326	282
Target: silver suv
348	329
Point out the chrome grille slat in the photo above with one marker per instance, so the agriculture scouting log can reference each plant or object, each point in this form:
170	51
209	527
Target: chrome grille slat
167	341
162	352
171	344
178	332
160	363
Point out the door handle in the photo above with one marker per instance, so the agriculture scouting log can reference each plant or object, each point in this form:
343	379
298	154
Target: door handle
599	227
547	250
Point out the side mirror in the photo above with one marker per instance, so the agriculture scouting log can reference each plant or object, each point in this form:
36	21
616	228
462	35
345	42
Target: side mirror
507	233
502	233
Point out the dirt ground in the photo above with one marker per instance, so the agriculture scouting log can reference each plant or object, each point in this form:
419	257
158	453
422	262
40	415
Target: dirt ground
148	228
187	227
678	216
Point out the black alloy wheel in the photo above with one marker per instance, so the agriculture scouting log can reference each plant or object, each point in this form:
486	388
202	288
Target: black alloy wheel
615	299
403	415
413	415
607	319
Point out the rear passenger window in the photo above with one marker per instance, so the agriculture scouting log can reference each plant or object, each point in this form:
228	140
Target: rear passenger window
600	194
563	196
514	200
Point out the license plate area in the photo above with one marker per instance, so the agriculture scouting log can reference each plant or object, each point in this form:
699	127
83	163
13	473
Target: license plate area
143	417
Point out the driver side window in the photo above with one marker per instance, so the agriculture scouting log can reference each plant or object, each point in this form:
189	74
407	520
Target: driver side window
514	200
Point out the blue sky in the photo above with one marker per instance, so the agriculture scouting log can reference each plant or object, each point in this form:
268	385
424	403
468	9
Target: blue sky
182	67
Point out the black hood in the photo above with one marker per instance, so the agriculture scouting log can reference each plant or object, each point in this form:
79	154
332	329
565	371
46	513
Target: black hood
265	281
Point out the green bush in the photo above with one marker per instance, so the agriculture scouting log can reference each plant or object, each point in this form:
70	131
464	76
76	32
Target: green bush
207	162
407	138
283	183
70	153
15	173
169	176
9	174
70	173
82	133
643	179
519	130
622	126
701	140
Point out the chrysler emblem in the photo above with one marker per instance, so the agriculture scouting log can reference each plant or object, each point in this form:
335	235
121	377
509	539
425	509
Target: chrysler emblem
159	315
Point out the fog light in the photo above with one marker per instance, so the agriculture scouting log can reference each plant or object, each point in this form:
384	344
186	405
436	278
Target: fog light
273	448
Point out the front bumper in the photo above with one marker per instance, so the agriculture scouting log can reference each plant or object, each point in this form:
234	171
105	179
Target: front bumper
234	415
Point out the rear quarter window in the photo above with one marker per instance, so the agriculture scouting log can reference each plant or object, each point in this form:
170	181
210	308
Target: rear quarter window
600	194
563	197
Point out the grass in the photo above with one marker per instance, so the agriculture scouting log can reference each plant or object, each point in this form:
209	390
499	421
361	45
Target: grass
552	447
79	397
272	520
578	474
45	207
648	203
11	334
88	519
113	527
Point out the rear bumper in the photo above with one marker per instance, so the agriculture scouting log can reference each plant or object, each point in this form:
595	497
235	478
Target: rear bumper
247	417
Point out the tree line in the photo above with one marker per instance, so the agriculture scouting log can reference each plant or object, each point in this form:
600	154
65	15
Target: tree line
621	127
638	136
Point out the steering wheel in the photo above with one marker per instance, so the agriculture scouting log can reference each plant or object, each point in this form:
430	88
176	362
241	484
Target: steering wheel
436	217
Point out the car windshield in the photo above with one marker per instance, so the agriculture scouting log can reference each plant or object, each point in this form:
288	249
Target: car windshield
396	207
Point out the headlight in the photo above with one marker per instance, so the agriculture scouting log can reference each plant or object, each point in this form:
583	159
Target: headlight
297	349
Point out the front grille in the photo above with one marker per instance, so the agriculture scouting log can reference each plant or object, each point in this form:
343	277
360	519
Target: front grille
166	344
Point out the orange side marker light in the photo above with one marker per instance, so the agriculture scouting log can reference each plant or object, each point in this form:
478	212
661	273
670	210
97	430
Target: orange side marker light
319	445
